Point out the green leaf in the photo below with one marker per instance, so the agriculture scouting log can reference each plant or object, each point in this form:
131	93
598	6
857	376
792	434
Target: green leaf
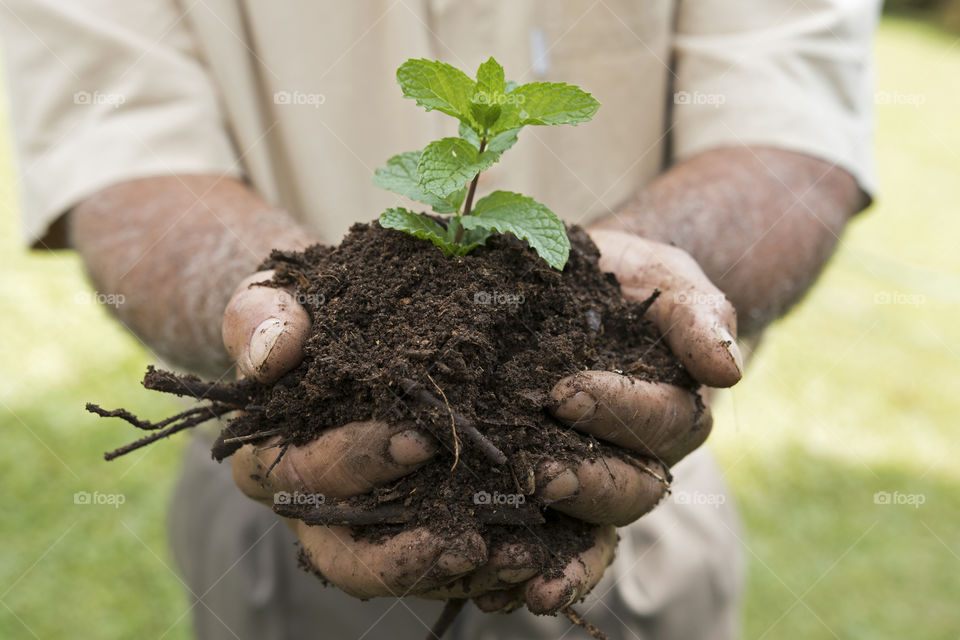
490	95
400	176
490	78
438	85
469	135
485	114
503	141
418	225
546	103
447	165
498	143
508	212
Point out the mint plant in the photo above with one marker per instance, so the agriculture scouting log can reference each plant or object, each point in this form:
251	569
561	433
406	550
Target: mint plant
444	175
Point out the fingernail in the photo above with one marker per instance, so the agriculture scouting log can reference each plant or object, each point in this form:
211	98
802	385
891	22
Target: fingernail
562	486
512	576
579	406
730	344
264	338
411	447
454	563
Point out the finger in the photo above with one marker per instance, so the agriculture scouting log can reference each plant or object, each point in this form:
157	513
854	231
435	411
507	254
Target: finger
407	563
344	461
650	418
695	317
509	564
547	596
605	491
264	329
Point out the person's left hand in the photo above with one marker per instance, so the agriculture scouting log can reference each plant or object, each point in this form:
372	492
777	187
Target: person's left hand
660	423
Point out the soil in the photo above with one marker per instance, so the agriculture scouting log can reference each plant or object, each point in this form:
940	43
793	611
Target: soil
404	334
457	347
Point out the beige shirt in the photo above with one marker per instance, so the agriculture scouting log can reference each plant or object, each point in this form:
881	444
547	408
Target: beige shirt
300	98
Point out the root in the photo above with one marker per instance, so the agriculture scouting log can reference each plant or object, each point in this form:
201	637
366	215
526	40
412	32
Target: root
581	622
486	447
453	424
260	435
237	394
646	304
283	452
174	424
447	616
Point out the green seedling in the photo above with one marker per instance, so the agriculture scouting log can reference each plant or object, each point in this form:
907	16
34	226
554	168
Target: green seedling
444	175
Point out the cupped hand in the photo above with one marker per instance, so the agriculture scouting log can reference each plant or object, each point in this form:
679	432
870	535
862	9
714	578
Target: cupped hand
264	329
661	423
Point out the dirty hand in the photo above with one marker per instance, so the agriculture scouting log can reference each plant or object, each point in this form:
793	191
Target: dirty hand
264	330
661	423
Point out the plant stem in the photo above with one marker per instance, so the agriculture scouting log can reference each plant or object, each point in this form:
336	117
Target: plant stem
468	203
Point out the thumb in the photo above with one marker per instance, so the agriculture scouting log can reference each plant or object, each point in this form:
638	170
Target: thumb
264	329
694	316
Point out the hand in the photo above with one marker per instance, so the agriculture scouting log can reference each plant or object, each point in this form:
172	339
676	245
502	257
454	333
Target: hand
659	422
264	329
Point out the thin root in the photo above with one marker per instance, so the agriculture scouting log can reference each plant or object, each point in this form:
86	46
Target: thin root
453	424
581	622
179	422
488	449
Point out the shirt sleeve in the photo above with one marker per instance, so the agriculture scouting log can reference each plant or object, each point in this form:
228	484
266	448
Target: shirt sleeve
103	91
779	73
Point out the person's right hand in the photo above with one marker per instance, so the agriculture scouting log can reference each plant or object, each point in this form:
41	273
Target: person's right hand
263	330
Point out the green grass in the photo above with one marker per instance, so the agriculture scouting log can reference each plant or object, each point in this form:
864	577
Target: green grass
845	398
848	397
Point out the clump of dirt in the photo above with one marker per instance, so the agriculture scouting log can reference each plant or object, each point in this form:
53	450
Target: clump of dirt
465	348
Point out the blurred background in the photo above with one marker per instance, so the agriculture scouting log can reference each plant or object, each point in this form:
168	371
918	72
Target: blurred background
841	444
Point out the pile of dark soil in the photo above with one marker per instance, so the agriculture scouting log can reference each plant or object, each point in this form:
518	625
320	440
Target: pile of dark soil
465	348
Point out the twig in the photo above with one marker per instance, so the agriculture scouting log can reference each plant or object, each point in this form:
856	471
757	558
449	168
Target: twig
488	449
581	622
447	616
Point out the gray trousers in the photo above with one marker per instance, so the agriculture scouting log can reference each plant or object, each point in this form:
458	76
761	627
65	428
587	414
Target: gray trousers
678	574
